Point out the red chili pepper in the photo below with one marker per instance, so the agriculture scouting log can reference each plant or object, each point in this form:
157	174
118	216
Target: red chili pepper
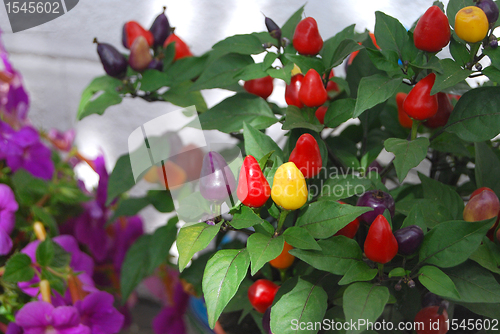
312	92
350	229
419	104
443	114
380	245
432	32
181	48
332	85
320	114
261	294
403	117
307	156
132	30
306	38
262	87
292	91
253	188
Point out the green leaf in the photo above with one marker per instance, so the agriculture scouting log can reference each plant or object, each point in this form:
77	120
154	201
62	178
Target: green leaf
283	73
47	219
301	118
338	254
450	143
407	154
181	95
338	187
416	217
129	207
487	167
61	258
331	45
186	69
56	283
459	52
305	303
223	275
397	272
423	212
161	242
18	269
488	256
364	301
474	283
194	238
135	266
251	71
451	243
300	238
243	44
476	116
492	73
288	28
220	73
45	253
452	74
28	189
145	255
339	111
390	33
437	282
100	94
444	195
306	63
161	200
245	218
358	272
374	90
345	48
258	144
229	115
385	61
486	309
262	249
121	178
153	80
194	273
325	218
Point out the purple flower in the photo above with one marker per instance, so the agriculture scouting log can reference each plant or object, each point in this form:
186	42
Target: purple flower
97	312
13	328
125	233
23	149
43	318
8	206
62	140
170	319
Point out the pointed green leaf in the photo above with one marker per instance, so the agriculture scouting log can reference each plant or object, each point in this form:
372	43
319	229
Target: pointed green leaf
487	167
407	154
245	218
18	269
437	282
300	238
452	74
374	90
258	144
358	272
192	239
262	249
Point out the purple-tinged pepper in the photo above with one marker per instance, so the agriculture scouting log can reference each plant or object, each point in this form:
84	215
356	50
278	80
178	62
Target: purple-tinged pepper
217	181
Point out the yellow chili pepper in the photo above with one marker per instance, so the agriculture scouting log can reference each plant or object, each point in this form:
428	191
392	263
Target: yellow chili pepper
289	187
471	24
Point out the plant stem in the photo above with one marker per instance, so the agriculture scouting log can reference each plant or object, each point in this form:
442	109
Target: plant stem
283	275
283	215
414	129
380	271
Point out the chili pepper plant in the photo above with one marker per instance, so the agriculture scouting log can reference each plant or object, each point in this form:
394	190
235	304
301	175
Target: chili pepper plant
328	232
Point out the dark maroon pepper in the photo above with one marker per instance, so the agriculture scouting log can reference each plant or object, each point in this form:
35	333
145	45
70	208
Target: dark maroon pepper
379	201
409	239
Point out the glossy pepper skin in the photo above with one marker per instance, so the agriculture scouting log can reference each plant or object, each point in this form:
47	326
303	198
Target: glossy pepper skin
160	29
216	178
490	8
181	48
292	91
289	189
261	294
379	201
253	188
306	38
140	56
350	229
432	321
419	104
380	244
307	156
432	32
320	114
285	259
132	30
403	117
409	239
332	86
262	87
113	62
471	24
312	93
273	28
443	114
